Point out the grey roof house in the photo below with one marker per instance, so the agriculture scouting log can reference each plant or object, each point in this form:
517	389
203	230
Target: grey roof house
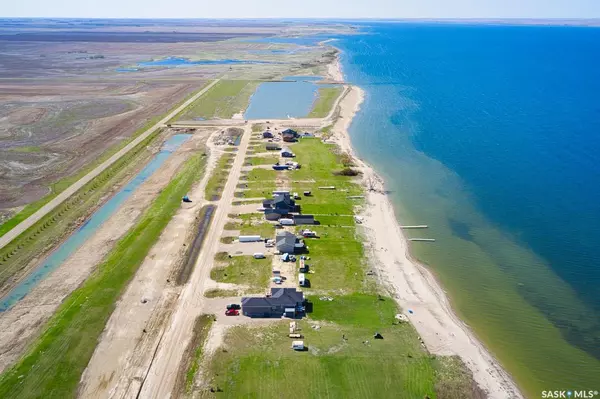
287	242
282	302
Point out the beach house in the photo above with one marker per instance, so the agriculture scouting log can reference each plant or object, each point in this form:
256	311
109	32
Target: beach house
280	205
282	302
287	242
289	135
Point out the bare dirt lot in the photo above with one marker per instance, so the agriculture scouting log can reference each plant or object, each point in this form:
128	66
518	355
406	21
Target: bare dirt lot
53	133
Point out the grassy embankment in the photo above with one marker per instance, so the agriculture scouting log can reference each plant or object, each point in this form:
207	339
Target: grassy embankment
57	224
62	184
343	359
325	101
218	179
54	362
193	355
223	100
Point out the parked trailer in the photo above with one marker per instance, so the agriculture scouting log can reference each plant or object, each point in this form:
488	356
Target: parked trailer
281	192
286	222
301	280
249	238
259	255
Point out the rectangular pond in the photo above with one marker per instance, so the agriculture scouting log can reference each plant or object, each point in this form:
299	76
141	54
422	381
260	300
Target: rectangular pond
292	98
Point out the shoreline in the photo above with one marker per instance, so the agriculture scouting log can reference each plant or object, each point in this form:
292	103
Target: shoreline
411	283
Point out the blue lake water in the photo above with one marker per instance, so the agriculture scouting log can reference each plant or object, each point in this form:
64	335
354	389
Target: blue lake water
83	233
279	100
300	40
177	62
490	135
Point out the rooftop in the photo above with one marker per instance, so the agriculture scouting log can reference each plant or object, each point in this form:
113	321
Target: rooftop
279	296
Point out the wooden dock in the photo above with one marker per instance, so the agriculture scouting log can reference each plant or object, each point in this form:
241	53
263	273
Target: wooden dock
422	239
419	226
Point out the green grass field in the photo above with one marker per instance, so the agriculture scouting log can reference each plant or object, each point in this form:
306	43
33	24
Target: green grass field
223	100
244	270
339	363
343	359
27	149
325	101
257	175
269	160
258	189
54	362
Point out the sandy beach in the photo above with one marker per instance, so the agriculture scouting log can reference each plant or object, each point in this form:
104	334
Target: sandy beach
413	286
334	70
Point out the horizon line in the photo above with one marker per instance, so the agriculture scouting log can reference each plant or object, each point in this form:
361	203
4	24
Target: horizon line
322	18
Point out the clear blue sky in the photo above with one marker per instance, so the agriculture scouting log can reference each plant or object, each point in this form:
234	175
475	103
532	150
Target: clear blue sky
302	8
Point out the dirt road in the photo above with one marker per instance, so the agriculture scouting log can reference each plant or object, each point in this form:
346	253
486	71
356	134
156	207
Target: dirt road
162	373
124	349
43	211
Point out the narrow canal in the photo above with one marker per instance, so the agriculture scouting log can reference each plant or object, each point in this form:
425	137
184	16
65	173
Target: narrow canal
85	231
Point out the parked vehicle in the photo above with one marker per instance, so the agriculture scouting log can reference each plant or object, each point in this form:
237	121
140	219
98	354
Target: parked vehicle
259	255
232	312
298	345
249	238
233	306
286	222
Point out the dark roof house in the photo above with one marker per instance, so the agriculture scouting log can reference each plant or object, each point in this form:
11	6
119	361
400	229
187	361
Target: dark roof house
267	135
281	204
289	135
282	302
